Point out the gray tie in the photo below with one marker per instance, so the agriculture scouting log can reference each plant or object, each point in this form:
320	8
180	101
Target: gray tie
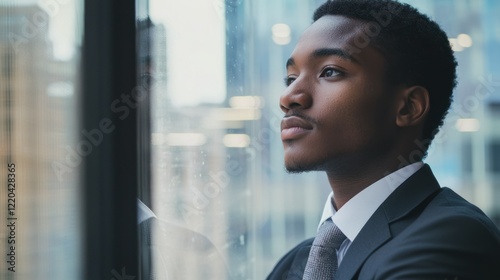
322	261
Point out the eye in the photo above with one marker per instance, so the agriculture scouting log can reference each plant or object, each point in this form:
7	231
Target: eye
289	80
330	72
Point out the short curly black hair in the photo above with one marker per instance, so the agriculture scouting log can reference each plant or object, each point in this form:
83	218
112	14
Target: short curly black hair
416	48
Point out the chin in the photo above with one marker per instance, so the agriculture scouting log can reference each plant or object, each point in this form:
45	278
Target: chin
300	167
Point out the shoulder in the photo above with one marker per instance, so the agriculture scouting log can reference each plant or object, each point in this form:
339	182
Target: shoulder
450	213
286	262
446	217
449	238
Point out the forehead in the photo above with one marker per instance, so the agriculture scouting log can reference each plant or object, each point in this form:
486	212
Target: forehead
338	32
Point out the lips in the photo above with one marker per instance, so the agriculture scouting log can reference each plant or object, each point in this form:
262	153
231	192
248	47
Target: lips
294	127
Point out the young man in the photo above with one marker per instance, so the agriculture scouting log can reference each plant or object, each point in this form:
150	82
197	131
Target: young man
368	85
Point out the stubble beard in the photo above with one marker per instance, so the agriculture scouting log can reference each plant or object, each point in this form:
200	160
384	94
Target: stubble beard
302	167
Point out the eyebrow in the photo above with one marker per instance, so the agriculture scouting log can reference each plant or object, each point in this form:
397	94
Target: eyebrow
326	52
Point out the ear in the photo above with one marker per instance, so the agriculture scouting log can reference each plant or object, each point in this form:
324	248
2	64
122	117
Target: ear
413	106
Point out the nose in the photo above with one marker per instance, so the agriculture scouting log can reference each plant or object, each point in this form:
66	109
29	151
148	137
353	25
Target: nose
296	96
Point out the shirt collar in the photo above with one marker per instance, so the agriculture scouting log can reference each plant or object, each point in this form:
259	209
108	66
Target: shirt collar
143	212
355	213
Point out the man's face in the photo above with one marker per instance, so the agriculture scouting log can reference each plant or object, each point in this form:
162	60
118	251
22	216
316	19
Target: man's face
338	109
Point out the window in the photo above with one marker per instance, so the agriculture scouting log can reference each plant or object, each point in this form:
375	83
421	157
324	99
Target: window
40	151
175	103
216	157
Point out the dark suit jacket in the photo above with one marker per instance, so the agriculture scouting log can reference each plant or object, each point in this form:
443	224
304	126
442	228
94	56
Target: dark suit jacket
421	231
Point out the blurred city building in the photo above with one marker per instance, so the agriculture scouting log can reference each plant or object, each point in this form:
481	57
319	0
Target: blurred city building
37	117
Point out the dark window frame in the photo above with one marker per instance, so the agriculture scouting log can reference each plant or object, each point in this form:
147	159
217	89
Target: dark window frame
110	172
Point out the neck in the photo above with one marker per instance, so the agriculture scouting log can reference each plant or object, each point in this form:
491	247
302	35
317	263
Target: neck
348	181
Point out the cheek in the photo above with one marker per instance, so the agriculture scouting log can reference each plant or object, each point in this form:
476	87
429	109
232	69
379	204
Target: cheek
372	125
354	111
355	121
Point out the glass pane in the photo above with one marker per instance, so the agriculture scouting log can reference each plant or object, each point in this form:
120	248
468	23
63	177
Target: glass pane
40	156
226	208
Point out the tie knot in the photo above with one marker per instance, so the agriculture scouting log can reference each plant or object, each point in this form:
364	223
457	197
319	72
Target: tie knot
329	235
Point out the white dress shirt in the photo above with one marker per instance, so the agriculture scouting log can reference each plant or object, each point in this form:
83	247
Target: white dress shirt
143	212
351	218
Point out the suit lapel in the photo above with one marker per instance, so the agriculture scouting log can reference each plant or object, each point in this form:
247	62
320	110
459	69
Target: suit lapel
375	233
377	230
299	264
